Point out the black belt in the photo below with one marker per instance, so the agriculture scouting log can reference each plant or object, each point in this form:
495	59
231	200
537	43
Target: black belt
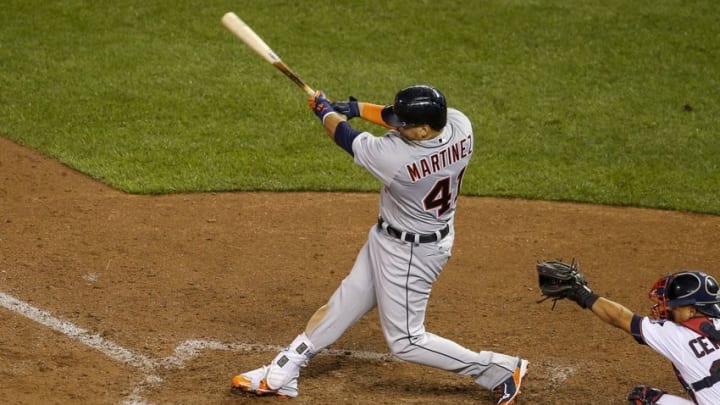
413	237
706	382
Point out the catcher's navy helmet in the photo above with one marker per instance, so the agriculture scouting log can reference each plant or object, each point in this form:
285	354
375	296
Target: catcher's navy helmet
417	105
688	287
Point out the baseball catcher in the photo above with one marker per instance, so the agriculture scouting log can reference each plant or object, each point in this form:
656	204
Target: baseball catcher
684	326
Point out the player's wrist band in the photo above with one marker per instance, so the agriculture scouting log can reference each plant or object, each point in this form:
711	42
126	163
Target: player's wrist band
325	116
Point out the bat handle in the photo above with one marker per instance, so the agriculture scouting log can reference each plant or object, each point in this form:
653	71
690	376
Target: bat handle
309	90
281	66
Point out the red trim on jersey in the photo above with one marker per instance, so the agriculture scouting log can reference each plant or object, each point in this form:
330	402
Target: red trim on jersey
703	326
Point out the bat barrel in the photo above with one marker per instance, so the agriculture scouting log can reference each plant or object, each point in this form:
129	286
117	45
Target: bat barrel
246	34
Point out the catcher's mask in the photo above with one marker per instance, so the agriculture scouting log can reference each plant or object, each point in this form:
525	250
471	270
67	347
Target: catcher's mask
417	105
685	288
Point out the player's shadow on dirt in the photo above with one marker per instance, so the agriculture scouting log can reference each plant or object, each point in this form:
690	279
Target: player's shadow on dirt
409	380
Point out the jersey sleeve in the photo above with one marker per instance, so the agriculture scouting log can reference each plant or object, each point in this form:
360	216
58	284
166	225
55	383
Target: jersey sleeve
378	155
636	329
661	336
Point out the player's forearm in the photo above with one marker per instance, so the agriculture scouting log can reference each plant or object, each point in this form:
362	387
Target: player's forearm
331	122
372	113
613	313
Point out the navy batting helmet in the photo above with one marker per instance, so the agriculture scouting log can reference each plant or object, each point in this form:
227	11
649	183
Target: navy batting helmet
417	105
688	287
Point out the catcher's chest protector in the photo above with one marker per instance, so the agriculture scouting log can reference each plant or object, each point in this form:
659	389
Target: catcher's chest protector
704	327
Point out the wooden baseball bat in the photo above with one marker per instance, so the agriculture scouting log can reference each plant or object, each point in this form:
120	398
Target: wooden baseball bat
246	34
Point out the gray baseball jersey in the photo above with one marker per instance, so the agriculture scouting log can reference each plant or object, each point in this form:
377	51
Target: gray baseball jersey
421	179
421	182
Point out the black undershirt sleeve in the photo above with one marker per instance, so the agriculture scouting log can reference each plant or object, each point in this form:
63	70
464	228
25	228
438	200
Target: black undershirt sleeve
636	329
344	136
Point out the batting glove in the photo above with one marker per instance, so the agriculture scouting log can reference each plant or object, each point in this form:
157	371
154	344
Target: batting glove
320	105
349	108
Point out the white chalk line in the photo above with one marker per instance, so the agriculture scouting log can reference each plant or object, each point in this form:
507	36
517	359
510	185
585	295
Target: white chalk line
184	352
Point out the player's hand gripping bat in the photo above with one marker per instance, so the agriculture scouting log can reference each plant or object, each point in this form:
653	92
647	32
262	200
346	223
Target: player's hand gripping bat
246	34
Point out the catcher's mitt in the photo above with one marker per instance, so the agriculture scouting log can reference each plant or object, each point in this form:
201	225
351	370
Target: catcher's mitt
559	280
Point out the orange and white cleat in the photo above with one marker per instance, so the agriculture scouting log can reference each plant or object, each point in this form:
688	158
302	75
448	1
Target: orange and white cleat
255	382
508	390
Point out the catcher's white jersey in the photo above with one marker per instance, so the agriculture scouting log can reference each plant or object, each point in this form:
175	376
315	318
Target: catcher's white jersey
692	355
421	179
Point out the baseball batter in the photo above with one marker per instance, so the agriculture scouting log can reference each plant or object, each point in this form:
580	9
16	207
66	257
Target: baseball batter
684	328
420	161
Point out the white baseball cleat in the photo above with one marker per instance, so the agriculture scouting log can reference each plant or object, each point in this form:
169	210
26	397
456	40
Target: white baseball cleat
255	382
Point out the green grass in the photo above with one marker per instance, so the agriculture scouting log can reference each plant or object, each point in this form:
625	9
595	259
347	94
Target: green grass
615	102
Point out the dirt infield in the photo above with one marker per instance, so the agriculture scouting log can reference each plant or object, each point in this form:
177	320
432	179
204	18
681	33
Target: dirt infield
109	298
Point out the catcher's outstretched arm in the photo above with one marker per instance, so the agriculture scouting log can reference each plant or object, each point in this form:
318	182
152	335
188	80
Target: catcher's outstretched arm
613	313
559	280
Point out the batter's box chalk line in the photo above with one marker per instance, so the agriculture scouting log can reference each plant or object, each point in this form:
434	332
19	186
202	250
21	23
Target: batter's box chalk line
149	367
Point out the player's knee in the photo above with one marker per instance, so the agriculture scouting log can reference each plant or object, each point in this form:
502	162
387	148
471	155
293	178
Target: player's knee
405	348
644	395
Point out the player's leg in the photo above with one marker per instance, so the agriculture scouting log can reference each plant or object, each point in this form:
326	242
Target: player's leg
350	301
353	298
404	275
